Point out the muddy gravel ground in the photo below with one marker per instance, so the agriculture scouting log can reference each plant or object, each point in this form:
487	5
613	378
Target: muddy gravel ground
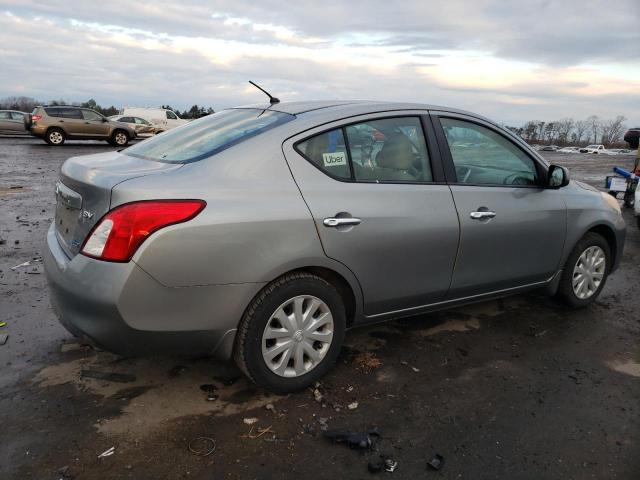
519	388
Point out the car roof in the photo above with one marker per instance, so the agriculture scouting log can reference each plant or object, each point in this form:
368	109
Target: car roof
348	107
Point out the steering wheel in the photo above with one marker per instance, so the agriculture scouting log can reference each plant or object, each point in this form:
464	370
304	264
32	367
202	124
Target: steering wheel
516	179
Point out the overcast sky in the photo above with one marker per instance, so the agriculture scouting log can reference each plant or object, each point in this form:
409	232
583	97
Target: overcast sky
512	61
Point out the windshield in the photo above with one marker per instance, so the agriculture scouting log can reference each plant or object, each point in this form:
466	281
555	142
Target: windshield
207	136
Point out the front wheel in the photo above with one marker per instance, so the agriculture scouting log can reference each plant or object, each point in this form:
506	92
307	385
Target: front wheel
119	138
291	333
586	270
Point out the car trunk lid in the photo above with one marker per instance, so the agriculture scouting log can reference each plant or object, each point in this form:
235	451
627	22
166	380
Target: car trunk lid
83	193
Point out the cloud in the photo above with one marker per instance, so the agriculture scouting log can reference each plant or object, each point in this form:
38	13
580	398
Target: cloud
507	60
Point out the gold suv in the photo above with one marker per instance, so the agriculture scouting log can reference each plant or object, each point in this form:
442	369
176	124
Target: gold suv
56	124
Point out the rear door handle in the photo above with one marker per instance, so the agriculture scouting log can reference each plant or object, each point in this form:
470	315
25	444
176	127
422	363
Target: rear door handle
339	222
482	215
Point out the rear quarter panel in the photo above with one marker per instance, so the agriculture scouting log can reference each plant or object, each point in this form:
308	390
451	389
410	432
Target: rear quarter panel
254	228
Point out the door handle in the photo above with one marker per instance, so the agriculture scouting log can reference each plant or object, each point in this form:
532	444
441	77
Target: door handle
482	215
339	222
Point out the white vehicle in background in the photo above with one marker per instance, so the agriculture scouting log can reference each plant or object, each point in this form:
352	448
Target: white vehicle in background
593	149
617	151
161	118
569	150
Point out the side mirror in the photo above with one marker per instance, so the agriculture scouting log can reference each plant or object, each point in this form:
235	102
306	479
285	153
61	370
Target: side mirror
557	177
105	119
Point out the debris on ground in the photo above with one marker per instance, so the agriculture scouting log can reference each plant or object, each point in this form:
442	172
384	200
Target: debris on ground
436	462
177	371
317	395
26	264
108	376
390	465
352	405
250	421
323	424
270	407
107	453
364	440
64	473
367	362
3	338
211	391
202	446
261	432
406	364
3	324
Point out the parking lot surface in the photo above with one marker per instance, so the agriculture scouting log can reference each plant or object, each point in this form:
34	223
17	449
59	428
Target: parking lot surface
518	388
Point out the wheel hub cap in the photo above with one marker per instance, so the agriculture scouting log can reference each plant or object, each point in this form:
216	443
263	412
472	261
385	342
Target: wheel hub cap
297	336
588	272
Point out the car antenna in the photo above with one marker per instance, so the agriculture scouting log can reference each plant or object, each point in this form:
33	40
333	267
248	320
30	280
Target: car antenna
272	100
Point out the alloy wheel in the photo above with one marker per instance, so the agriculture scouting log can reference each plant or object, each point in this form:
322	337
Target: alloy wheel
121	138
297	336
55	137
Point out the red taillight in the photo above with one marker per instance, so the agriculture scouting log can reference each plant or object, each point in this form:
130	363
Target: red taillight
121	231
35	118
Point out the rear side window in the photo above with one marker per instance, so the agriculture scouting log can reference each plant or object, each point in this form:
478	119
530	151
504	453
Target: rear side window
328	152
4	115
17	116
387	150
171	115
209	135
53	112
71	113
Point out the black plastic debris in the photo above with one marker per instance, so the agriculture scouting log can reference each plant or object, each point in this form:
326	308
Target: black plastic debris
382	463
436	462
211	391
363	440
108	376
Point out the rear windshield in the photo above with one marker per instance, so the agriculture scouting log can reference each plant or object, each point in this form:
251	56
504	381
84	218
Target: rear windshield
207	136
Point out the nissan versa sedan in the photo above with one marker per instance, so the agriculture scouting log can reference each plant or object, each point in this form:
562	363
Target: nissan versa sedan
262	233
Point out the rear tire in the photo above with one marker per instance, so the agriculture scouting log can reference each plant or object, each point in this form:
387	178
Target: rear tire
55	137
309	347
119	138
584	277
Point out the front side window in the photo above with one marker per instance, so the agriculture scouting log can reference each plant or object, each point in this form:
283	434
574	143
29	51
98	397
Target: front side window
209	135
17	116
482	156
91	115
4	115
171	115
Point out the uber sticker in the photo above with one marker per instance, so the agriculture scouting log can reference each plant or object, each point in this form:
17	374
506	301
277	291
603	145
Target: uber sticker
336	158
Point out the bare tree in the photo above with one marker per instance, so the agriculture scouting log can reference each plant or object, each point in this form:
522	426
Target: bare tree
564	129
612	130
594	126
581	128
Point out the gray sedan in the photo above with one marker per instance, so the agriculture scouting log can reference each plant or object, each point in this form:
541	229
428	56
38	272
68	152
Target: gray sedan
262	233
13	122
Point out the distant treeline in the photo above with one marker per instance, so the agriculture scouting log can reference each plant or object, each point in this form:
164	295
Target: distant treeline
568	131
27	104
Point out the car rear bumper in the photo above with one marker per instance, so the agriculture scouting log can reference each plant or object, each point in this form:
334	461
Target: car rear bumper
121	308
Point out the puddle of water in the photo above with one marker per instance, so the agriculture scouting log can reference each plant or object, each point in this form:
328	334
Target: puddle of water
156	396
629	367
